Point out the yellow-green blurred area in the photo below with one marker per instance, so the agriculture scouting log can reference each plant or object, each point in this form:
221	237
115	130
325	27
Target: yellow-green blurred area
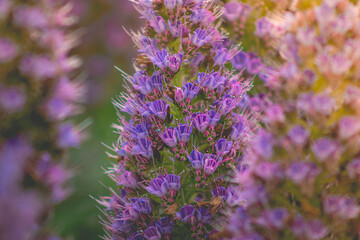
105	44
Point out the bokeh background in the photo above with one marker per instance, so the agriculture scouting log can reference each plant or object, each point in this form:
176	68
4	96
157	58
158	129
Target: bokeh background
105	44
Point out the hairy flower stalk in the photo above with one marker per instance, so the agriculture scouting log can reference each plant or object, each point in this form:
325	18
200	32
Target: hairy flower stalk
187	127
302	172
37	96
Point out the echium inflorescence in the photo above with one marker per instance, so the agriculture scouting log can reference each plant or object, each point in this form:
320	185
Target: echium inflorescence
37	95
303	175
187	127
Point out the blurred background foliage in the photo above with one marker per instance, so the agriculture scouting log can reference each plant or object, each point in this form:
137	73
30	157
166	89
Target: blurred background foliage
105	44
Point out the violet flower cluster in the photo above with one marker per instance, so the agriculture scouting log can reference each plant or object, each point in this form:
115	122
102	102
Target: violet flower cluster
186	130
300	178
37	97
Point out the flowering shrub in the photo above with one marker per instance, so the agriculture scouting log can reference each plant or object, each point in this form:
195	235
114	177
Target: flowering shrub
302	174
37	96
186	129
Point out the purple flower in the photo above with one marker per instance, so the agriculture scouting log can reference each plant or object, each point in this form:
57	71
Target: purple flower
309	76
190	90
233	10
298	135
202	16
239	222
267	170
340	64
169	136
121	225
183	132
8	50
233	196
197	59
174	62
30	17
173	182
300	172
143	148
323	103
14	154
353	169
197	159
210	164
12	99
214	117
137	235
275	218
200	37
170	4
213	80
130	107
142	205
59	109
165	225
68	136
139	131
128	179
226	104
130	213
179	95
152	233
219	192
223	146
263	144
158	187
236	89
274	114
298	226
263	27
157	81
341	207
160	58
239	130
201	122
187	214
146	3
144	110
5	7
39	67
222	56
290	71
348	127
240	60
254	66
159	108
174	28
158	23
315	230
203	214
306	36
325	148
